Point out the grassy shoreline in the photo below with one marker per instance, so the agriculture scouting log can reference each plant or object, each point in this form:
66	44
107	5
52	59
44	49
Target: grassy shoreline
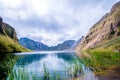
6	65
105	64
103	58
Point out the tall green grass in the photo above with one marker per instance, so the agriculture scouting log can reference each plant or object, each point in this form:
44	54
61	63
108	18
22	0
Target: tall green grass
109	45
6	65
101	60
73	70
75	67
103	56
21	74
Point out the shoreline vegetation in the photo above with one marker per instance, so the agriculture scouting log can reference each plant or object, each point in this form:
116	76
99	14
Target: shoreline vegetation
105	64
101	46
104	59
8	72
6	65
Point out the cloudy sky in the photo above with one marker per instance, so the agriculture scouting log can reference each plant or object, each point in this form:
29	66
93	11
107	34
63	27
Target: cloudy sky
53	21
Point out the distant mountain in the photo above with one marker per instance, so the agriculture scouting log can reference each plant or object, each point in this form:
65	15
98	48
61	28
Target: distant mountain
77	42
107	28
68	44
38	46
8	39
33	45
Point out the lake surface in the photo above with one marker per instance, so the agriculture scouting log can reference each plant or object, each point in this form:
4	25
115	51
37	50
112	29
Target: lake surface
51	65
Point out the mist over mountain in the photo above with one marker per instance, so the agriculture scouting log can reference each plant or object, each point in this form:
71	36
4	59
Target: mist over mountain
39	46
33	45
68	44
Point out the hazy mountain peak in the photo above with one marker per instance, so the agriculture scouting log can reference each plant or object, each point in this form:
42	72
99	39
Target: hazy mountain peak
34	45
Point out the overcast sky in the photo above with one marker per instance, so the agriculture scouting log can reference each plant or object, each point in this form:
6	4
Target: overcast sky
53	21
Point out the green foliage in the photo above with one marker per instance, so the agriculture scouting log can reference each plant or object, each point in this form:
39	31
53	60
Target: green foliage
75	67
101	60
7	45
103	56
109	45
8	72
118	28
6	65
19	73
46	73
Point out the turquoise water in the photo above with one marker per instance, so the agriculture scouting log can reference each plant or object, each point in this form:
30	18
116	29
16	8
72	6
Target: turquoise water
61	65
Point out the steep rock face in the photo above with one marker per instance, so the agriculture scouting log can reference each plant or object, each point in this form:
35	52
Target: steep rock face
1	27
10	31
8	39
7	30
106	28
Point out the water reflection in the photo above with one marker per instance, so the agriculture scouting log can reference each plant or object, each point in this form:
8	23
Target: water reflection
64	65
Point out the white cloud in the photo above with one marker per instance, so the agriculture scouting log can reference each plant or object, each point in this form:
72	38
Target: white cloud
53	21
11	3
41	7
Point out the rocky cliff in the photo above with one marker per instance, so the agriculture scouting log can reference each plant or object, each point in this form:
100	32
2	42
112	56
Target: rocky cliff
107	28
7	30
8	39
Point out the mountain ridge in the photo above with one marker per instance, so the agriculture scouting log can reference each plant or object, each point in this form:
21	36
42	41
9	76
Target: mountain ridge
61	46
107	28
32	45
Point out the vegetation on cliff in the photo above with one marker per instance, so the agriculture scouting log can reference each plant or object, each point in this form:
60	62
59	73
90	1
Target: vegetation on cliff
101	46
107	28
8	39
8	45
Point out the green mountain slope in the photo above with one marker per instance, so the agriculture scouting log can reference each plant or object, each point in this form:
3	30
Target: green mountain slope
8	39
110	45
8	45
